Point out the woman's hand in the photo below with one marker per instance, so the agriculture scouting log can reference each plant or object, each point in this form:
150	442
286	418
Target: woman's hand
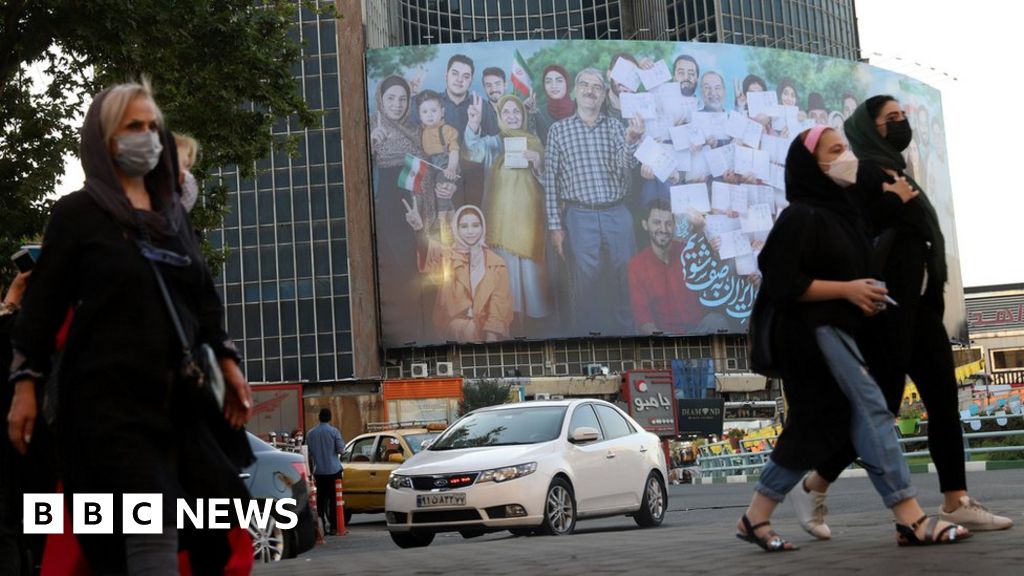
17	288
474	113
22	417
533	157
412	215
237	394
901	187
444	190
864	294
646	172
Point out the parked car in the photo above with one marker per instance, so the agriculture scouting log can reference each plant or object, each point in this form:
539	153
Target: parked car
276	474
370	458
529	467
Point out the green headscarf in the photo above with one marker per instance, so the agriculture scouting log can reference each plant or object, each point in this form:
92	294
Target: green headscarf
869	146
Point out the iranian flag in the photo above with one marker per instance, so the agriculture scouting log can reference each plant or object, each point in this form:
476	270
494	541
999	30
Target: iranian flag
411	177
521	81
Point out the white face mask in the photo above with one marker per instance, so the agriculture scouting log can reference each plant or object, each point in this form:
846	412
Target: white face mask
189	191
843	170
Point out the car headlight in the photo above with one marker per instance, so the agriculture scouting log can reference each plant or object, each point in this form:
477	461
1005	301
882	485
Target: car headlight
397	481
507	473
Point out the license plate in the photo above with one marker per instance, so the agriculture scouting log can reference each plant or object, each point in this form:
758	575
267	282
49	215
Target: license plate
445	499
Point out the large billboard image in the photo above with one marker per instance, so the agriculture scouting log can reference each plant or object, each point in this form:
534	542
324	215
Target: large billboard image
557	189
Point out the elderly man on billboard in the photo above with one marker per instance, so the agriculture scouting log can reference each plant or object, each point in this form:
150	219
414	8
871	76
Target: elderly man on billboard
586	177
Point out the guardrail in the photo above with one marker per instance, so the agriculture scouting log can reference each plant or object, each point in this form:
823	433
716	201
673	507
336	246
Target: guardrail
720	459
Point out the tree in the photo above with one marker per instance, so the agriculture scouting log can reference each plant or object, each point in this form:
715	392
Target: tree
483	394
221	70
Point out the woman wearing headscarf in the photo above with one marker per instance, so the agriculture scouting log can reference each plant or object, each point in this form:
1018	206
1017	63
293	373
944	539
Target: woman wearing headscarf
816	277
559	104
392	138
911	339
128	421
514	205
474	303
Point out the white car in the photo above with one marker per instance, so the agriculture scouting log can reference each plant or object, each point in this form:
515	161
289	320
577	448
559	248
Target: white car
531	466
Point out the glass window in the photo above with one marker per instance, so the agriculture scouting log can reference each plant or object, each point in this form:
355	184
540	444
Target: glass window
1008	359
504	427
360	450
612	423
387	446
584	416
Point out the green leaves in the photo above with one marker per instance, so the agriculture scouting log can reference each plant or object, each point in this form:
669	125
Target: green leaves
222	71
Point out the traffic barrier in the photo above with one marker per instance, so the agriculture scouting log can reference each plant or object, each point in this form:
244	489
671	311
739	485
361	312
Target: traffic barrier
340	502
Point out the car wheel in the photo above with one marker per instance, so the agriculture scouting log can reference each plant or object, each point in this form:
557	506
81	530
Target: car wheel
654	503
412	539
559	509
523	531
268	544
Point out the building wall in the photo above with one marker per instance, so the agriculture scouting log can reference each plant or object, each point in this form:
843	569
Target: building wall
995	321
285	281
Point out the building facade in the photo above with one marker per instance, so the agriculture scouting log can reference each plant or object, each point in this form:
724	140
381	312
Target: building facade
299	279
995	321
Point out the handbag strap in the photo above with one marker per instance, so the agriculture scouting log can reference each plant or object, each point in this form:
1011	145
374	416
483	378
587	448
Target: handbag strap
172	310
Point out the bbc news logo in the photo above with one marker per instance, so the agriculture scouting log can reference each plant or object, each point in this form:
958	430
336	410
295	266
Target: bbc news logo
144	513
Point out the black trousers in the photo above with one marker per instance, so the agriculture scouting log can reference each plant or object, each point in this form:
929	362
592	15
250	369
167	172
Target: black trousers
325	499
915	343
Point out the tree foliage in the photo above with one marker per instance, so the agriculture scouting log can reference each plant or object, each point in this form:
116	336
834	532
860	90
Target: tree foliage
381	63
482	394
832	78
222	71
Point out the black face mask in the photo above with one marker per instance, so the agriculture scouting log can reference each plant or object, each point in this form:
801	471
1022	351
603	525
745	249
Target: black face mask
899	134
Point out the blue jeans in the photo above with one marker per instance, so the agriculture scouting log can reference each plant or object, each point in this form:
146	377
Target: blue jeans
601	243
871	426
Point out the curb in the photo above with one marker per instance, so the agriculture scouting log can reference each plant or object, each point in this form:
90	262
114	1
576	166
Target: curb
862	473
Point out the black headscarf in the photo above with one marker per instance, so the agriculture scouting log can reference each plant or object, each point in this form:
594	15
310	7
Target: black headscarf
869	146
167	218
806	183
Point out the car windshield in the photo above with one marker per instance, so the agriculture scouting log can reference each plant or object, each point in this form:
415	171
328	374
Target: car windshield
505	427
415	441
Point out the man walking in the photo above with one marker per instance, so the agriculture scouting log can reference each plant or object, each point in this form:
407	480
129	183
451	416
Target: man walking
325	446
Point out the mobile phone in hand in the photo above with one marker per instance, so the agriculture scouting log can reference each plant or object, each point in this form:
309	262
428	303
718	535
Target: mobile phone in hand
26	257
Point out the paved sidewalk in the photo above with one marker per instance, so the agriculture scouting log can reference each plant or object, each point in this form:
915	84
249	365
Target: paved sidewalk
698	538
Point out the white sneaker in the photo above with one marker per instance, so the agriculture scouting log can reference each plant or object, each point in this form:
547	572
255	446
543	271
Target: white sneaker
975	517
810	511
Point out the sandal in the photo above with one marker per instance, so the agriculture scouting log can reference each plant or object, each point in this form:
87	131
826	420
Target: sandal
907	535
770	542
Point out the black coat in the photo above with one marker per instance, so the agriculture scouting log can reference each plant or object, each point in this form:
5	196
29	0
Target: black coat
820	236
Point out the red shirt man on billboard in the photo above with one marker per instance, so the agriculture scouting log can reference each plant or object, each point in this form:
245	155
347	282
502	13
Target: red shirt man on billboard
658	294
587	172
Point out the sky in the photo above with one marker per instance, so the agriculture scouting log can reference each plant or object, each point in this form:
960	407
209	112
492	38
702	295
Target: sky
974	43
936	41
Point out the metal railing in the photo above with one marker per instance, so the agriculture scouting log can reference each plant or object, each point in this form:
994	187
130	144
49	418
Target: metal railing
719	459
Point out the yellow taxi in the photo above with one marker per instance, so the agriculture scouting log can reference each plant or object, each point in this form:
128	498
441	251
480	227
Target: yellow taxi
369	459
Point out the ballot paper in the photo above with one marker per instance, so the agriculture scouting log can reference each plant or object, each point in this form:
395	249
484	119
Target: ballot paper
758	219
721	196
733	244
746	264
686	136
765	102
713	124
624	72
715	225
643	105
659	157
655	76
738	200
684	160
514	148
743	161
719	159
762	165
688	196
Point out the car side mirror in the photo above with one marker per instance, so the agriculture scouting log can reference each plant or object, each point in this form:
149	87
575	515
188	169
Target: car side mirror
425	444
584	434
396	458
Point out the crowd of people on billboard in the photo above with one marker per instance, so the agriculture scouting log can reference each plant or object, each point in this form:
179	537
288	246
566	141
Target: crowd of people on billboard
627	196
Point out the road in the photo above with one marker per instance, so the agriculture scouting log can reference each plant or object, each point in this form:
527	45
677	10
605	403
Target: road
697	537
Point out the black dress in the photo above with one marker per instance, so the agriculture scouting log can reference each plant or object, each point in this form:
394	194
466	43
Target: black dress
124	422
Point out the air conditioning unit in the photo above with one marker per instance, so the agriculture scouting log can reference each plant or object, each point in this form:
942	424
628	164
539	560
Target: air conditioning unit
731	364
596	370
556	397
446	369
562	369
542	396
419	370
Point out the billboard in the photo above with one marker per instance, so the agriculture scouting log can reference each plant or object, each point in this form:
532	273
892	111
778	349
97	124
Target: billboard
516	197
